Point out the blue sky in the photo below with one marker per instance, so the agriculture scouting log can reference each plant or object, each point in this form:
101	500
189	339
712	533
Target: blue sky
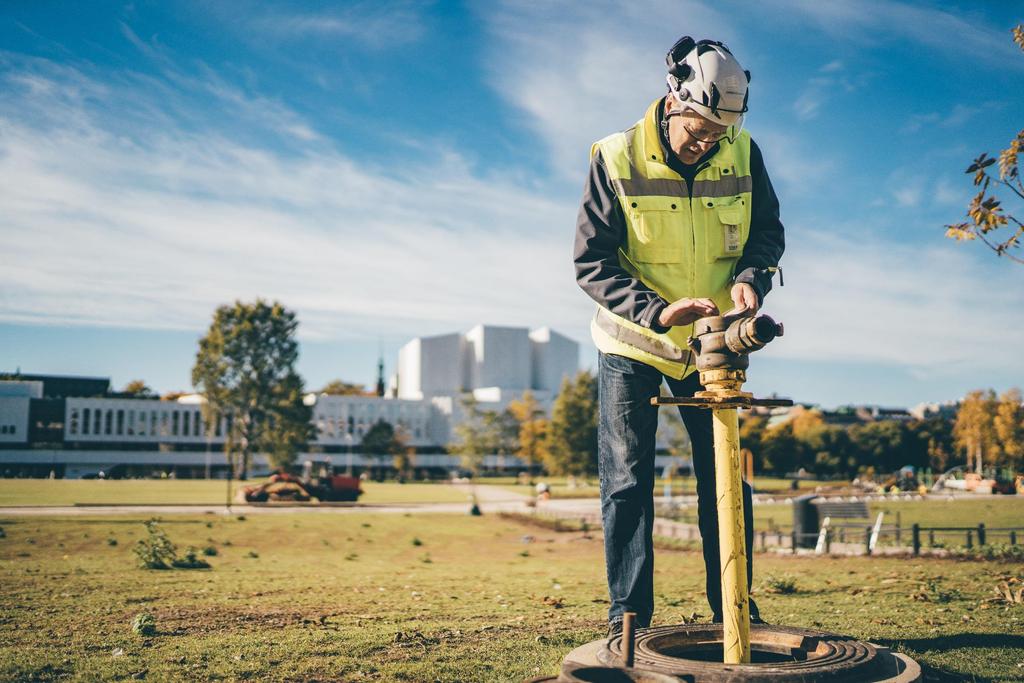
391	170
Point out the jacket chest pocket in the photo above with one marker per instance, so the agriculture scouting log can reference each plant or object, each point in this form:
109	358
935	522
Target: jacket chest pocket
725	227
657	230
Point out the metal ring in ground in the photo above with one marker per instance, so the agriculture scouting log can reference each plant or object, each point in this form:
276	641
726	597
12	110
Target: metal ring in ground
779	654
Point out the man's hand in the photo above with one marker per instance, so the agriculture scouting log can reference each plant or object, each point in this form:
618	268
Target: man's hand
744	298
685	311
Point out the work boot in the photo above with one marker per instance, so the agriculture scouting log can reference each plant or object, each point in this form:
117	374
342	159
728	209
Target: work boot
614	629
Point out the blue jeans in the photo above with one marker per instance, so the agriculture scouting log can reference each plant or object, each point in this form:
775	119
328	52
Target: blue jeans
626	443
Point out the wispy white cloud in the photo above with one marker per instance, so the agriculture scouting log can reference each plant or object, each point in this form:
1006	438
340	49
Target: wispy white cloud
957	115
852	295
868	21
821	87
574	92
108	224
808	104
948	194
375	25
581	77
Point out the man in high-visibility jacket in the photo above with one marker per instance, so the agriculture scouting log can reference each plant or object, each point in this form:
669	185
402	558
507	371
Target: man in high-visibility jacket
678	221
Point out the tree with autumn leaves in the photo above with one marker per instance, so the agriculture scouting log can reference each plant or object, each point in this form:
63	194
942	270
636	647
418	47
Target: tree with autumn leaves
533	428
989	430
987	219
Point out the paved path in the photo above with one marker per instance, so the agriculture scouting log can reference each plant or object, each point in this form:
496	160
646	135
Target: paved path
490	499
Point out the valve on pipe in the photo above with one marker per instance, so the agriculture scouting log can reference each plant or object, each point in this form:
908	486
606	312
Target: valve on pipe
724	342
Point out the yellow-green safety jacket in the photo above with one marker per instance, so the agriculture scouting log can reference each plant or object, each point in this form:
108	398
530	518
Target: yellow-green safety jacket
676	244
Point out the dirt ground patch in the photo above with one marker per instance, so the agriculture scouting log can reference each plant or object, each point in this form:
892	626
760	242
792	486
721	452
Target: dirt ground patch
180	621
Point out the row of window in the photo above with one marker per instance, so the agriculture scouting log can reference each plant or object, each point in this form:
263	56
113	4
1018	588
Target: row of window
371	411
127	422
8	429
189	423
333	427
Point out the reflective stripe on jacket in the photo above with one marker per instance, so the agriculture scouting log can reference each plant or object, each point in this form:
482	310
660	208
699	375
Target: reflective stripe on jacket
677	245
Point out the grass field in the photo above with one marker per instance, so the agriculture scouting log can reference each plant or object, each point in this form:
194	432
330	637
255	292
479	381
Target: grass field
993	511
424	598
188	491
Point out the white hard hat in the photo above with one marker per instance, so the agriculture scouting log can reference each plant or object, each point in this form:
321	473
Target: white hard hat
704	76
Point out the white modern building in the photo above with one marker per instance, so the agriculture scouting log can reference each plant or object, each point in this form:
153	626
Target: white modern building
491	362
344	420
553	357
431	366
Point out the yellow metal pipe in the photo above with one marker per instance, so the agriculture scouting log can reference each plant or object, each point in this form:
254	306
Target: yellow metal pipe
732	548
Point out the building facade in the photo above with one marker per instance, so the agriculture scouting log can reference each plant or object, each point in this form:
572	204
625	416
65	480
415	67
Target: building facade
76	426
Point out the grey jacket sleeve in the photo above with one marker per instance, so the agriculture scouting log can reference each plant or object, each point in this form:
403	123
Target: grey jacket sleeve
600	231
767	240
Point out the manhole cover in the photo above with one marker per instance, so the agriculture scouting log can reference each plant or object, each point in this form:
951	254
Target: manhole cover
693	652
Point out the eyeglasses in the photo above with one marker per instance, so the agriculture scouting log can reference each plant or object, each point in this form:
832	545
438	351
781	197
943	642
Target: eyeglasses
705	135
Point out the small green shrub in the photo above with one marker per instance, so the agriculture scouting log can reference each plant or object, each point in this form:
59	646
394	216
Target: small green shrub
416	541
426	559
783	585
111	541
351	557
210	551
144	624
1001	551
155	551
190	561
253	554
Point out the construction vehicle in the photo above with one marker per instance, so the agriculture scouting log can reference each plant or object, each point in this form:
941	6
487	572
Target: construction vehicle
959	479
318	483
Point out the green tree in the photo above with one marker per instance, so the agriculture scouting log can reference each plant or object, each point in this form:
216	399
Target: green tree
752	429
137	388
245	369
289	425
383	440
985	213
933	442
337	387
781	452
880	445
501	431
470	435
831	448
573	444
481	432
403	461
1008	424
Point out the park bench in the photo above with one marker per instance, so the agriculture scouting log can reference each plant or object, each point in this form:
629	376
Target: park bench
847	510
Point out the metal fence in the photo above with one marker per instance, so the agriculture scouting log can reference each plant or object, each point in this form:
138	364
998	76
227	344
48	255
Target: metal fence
838	538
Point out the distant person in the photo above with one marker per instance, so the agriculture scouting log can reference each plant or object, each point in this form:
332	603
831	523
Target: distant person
678	221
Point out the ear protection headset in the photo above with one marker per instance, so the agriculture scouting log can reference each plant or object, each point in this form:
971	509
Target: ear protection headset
681	71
